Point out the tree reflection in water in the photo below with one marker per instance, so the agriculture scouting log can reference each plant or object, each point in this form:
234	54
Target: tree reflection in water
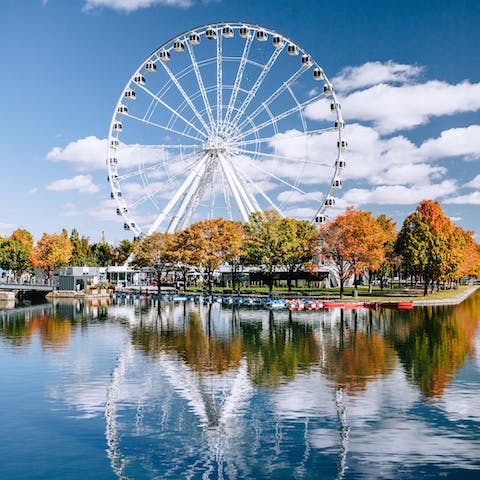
223	363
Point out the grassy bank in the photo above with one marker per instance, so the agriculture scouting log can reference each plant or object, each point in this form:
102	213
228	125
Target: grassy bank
377	294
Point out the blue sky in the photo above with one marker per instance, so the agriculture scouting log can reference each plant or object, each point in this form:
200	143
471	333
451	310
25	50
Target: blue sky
407	75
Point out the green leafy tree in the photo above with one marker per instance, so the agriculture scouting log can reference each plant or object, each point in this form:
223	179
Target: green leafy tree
82	253
300	245
122	251
14	256
265	244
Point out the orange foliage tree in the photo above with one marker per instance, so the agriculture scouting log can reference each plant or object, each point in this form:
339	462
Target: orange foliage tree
354	242
211	242
470	266
51	252
430	244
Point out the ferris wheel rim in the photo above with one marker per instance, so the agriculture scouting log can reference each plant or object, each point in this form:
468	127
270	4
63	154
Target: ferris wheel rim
114	178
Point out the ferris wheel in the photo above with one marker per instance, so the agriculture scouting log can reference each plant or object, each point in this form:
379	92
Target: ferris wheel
222	121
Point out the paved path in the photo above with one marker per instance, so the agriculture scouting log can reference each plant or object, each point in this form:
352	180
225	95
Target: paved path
448	301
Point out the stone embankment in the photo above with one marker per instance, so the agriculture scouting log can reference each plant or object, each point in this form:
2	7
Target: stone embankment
448	301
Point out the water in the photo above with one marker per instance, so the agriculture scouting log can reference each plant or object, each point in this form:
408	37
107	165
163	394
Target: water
140	390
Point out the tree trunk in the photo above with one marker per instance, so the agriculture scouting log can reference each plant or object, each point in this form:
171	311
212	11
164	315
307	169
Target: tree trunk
159	281
341	287
425	287
289	281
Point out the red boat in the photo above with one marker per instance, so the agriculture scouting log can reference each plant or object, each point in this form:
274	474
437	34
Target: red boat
397	305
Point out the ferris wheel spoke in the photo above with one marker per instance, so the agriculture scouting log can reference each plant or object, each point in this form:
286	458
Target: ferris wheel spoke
178	194
297	108
163	127
251	94
155	166
307	133
172	110
285	86
238	78
201	85
265	196
276	177
219	79
283	157
185	96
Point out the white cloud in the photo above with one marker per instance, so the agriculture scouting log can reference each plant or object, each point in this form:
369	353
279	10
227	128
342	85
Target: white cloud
470	199
88	153
399	194
474	183
82	183
33	191
69	210
373	73
398	107
456	142
106	210
393	108
128	6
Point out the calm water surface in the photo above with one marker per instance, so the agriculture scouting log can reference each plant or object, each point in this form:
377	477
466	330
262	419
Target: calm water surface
139	390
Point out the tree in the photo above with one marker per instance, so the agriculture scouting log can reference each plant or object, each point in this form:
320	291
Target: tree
264	243
299	247
210	243
122	251
470	266
429	244
102	253
14	256
51	252
156	252
354	243
82	253
391	258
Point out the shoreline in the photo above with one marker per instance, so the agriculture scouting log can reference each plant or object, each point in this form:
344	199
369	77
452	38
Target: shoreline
447	301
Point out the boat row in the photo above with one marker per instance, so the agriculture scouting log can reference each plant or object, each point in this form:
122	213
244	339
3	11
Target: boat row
271	303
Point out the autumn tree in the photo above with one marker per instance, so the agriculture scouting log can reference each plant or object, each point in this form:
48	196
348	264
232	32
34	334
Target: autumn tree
155	252
51	252
429	244
354	243
470	266
210	243
387	267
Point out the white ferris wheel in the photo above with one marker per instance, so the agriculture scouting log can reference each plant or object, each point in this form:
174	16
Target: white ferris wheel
222	121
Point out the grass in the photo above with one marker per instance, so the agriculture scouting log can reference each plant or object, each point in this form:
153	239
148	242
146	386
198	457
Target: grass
377	295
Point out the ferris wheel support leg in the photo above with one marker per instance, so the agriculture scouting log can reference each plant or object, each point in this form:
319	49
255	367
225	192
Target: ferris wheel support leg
233	189
245	193
189	195
178	195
